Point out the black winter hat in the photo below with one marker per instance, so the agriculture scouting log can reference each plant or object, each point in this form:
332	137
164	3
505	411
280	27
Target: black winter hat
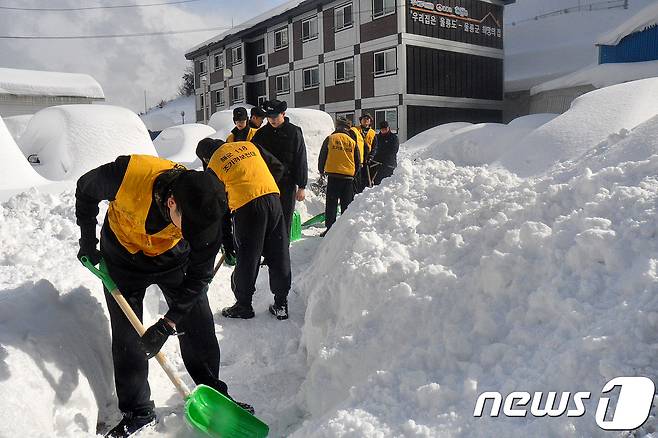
240	113
206	148
342	122
383	124
199	201
275	107
257	111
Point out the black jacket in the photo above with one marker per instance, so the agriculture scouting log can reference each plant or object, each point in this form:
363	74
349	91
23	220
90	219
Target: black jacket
324	153
286	143
387	149
195	257
240	134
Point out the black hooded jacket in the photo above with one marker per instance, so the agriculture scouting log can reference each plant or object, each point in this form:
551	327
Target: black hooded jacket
286	143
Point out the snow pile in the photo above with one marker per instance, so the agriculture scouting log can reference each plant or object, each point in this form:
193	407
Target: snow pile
17	172
533	53
46	83
17	125
73	139
433	136
602	75
158	119
179	143
446	282
590	120
644	19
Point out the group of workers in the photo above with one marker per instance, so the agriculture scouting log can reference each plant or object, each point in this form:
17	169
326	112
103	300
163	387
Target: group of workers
166	224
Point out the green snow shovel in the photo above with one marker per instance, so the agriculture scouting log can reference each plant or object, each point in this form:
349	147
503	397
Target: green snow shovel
296	227
207	410
317	219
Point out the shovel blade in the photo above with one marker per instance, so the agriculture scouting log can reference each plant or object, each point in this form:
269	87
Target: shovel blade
215	415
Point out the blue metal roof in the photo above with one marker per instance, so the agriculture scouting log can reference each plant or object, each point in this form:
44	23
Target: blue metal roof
636	47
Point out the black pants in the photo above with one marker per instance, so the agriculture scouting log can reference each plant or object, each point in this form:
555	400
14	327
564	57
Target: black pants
287	199
338	190
380	172
260	230
198	343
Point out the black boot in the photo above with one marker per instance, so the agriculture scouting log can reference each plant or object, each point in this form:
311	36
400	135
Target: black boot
280	310
132	422
238	311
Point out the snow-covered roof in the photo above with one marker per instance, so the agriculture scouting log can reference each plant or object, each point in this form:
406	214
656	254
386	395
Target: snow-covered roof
249	23
644	19
47	83
600	76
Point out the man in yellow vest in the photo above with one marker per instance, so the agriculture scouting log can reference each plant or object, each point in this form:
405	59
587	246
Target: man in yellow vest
340	160
242	131
370	140
246	171
162	227
355	133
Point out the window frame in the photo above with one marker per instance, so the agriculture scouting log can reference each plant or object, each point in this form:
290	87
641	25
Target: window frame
311	86
218	65
261	102
260	64
222	101
385	72
283	46
239	100
317	30
276	84
343	7
233	57
202	100
345	79
202	67
385	110
345	114
383	13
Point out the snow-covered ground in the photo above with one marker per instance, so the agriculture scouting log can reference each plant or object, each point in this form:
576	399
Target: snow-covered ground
158	119
452	278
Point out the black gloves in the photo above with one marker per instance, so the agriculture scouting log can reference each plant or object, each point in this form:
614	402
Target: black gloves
88	249
155	337
230	258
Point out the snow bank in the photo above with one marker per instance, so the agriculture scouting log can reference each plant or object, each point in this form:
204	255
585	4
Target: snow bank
46	83
17	125
644	19
603	75
179	143
158	119
73	139
432	136
446	282
590	120
17	172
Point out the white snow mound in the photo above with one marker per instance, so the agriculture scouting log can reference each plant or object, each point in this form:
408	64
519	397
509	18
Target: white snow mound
17	172
17	125
73	139
179	143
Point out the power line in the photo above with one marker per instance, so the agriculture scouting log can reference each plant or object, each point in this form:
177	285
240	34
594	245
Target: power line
87	8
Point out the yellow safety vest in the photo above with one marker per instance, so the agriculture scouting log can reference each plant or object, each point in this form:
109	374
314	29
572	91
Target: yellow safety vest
250	135
128	212
359	141
370	137
244	173
340	155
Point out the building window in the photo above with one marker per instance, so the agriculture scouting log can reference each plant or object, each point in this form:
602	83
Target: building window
219	98
386	62
202	67
202	101
219	62
236	55
237	95
343	17
281	39
262	100
344	70
311	77
349	116
381	8
388	114
310	29
283	84
260	60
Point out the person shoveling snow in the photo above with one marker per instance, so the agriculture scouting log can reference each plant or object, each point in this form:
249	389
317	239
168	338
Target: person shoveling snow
163	227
